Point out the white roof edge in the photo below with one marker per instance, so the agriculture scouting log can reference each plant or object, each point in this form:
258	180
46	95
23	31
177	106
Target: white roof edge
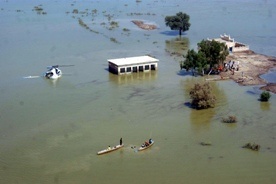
133	60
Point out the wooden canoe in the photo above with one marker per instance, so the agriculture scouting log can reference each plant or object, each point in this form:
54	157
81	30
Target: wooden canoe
110	150
146	147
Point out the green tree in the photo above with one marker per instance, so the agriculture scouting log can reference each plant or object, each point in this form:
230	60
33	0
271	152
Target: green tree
202	96
210	53
215	52
195	61
265	96
180	22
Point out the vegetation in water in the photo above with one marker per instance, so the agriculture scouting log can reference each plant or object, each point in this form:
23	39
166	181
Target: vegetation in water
265	96
177	46
75	11
229	119
39	10
139	14
113	25
252	146
180	22
202	96
113	40
210	55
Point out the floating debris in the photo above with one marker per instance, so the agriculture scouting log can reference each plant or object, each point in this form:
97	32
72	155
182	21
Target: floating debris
205	144
254	147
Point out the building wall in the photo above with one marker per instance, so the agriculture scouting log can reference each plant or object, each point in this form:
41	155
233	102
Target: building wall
134	68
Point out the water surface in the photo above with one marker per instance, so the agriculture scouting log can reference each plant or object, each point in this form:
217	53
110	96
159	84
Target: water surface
51	130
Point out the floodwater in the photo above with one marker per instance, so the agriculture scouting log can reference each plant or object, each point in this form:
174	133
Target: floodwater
50	131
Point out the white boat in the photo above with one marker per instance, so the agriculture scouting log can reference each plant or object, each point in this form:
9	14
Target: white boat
53	72
110	149
143	146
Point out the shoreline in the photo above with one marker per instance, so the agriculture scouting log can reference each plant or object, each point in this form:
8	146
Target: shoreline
251	66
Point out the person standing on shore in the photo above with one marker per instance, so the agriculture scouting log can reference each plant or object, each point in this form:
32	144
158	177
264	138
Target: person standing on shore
121	141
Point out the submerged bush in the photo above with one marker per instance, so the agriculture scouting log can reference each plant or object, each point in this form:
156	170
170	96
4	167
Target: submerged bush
202	97
230	119
265	96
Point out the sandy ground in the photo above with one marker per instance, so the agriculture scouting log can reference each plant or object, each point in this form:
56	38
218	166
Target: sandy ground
251	66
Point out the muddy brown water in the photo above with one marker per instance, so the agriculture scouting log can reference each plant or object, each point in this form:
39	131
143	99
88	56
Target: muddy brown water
51	131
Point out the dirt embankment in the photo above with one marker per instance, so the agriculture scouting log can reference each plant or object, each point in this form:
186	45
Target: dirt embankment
251	67
142	25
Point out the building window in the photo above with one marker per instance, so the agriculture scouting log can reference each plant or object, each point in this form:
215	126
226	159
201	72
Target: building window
141	68
146	67
122	70
152	67
128	69
134	69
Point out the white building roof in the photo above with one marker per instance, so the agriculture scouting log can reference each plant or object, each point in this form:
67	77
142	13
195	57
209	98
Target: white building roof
133	60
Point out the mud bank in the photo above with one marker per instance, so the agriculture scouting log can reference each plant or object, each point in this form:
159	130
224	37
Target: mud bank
251	67
143	25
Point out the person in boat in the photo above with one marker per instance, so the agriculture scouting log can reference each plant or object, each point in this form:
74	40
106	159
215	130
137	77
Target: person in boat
109	148
150	141
146	143
121	141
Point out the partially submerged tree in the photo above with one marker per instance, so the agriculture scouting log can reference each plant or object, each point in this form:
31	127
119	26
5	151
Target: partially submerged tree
195	61
210	53
180	22
215	52
265	96
202	97
229	119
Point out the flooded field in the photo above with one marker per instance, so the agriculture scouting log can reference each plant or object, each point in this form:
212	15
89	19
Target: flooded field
51	131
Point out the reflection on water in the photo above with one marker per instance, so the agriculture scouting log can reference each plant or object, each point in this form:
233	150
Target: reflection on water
133	78
265	106
178	47
201	119
52	82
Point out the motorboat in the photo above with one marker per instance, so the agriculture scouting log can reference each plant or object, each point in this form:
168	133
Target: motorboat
53	72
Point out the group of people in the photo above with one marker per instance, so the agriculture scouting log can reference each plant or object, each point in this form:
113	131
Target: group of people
231	65
146	143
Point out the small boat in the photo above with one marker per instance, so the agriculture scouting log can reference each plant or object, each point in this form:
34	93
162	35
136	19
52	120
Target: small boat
110	149
53	72
143	146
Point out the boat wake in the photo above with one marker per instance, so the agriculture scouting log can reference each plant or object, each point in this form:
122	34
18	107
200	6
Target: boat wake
32	77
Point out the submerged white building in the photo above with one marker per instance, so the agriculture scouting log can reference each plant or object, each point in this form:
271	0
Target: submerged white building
132	64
